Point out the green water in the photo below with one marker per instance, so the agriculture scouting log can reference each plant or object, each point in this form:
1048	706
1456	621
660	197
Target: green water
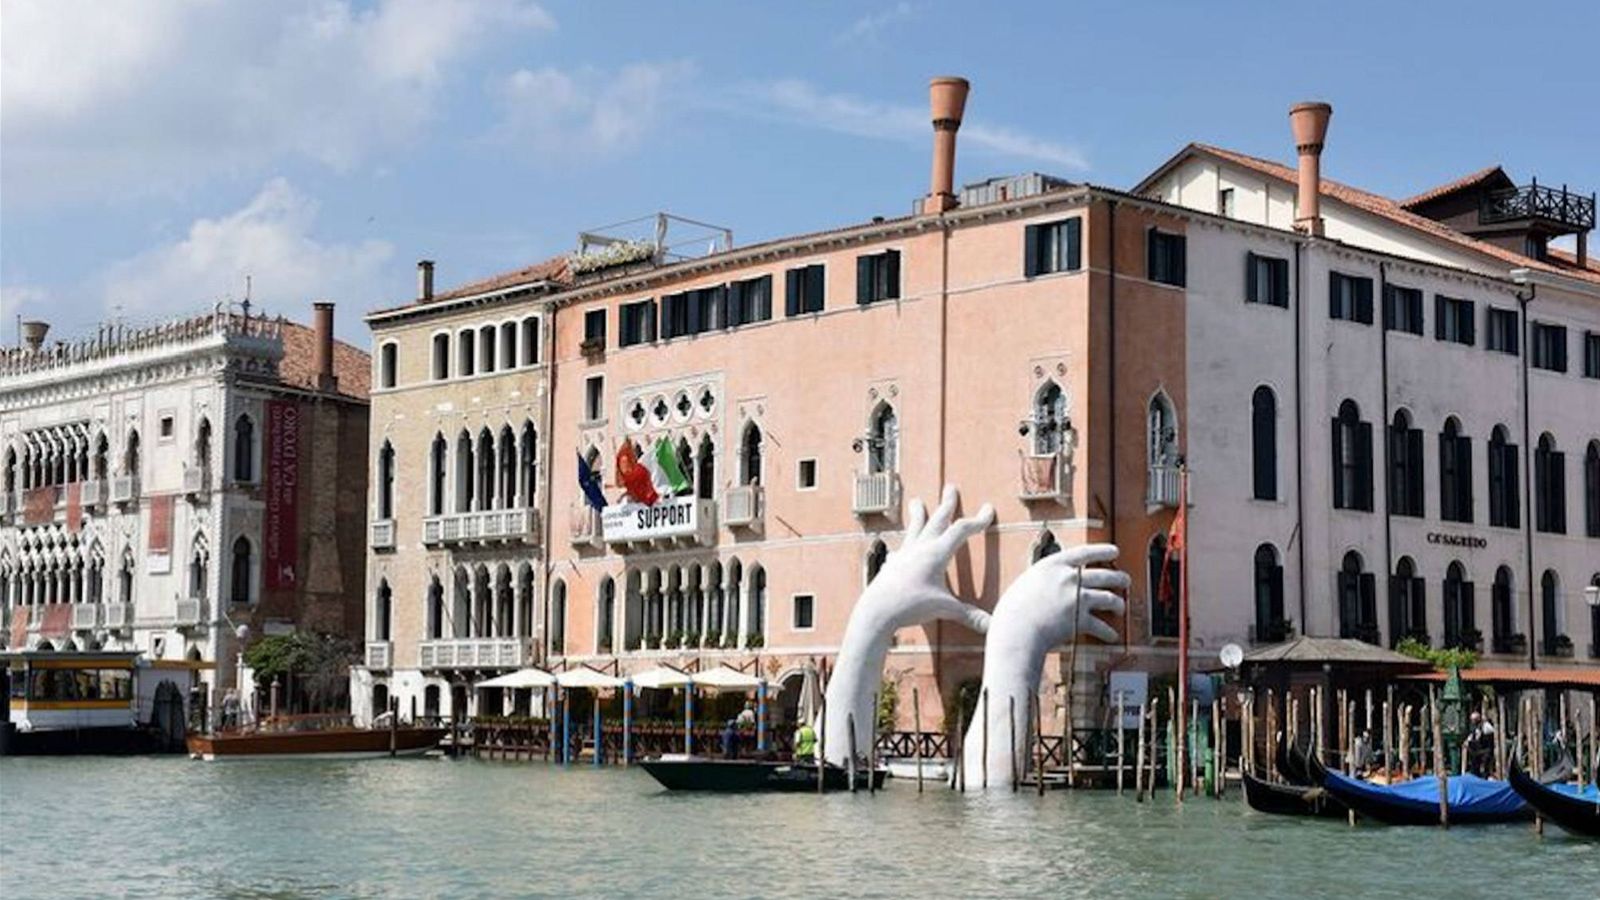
170	827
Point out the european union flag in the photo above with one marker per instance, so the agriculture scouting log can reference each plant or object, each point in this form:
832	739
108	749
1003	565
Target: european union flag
590	483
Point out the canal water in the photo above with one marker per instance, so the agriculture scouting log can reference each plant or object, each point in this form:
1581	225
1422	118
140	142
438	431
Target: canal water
169	827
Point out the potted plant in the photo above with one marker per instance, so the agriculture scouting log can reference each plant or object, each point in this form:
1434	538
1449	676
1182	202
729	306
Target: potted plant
652	640
754	641
1471	639
730	642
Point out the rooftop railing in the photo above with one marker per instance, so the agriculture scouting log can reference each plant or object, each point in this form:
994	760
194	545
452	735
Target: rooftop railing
1535	201
111	340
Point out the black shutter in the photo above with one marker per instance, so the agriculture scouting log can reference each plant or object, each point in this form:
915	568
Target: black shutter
696	300
1337	308
1251	279
1415	486
1280	282
1180	260
1464	477
1419	605
761	308
738	298
863	280
891	265
1467	603
1152	240
1558	492
1469	327
1560	337
1074	244
791	292
1364	466
1439	306
1277	597
1397	609
1513	488
1391	300
1447	477
1341	490
649	321
1363	288
1368	615
814	288
1030	251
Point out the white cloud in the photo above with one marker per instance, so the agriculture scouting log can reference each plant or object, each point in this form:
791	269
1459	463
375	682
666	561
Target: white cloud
271	240
800	102
21	301
98	96
566	115
869	27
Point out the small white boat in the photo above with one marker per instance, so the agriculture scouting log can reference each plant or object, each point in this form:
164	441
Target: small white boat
933	768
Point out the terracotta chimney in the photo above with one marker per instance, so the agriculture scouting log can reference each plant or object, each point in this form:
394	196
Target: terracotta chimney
33	334
1309	122
425	280
947	99
322	330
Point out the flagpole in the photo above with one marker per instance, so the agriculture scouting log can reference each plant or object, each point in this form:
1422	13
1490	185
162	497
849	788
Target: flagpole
1182	719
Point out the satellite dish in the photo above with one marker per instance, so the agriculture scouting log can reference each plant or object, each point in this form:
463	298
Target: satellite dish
1232	655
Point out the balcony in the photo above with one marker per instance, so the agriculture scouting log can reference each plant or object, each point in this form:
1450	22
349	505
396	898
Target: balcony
484	527
94	493
196	483
9	504
474	653
1046	478
119	615
1163	487
876	494
1558	646
85	616
742	506
1568	212
191	612
380	655
124	488
584	521
1510	644
383	534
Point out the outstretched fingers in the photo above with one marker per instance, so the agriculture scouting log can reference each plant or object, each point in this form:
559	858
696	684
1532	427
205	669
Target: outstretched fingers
1105	579
1098	630
963	529
915	519
944	513
1102	602
1086	555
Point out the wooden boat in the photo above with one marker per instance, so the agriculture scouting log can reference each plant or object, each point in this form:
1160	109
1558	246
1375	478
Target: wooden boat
304	737
1564	804
1470	800
1291	799
751	775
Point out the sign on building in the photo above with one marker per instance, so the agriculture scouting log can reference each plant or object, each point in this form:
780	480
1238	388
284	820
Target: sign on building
670	518
280	534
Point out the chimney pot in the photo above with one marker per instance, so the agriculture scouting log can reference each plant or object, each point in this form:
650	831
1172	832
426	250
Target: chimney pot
947	102
33	334
322	329
425	280
1309	124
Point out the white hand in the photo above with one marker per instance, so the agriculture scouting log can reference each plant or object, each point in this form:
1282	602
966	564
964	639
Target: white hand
1049	604
909	590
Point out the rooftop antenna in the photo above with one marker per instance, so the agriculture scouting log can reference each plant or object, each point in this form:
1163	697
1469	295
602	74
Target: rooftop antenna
246	303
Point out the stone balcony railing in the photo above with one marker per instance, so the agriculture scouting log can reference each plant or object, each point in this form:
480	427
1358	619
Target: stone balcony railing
482	527
114	340
743	506
1046	478
876	494
124	488
196	482
119	615
8	503
380	655
474	653
1163	487
85	616
191	612
383	534
94	493
585	524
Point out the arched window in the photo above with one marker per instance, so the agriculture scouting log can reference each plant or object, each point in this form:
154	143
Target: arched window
1549	487
239	584
508	345
758	606
1591	490
436	470
1161	431
382	609
199	569
1270	624
441	357
705	478
883	441
1408	605
686	463
202	451
461	604
1165	580
1455	473
388	362
750	454
485	460
1550	612
130	457
558	618
1358	600
1460	618
465	357
530	463
1049	419
1352	459
530	341
509	496
102	452
124	580
1405	466
1505	494
606	615
486	348
877	555
435	609
244	449
1502	612
386	481
1264	443
11	471
464	472
1045	546
525	600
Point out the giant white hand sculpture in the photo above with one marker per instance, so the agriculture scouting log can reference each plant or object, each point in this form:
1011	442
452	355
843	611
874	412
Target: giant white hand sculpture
909	590
1048	605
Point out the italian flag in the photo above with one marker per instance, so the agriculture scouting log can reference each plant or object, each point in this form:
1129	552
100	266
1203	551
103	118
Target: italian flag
669	476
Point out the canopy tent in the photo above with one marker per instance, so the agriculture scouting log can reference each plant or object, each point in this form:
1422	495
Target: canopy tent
722	678
522	678
810	695
586	677
661	677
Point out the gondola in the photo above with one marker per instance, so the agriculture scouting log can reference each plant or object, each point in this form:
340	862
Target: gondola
1470	800
1291	799
735	776
1564	804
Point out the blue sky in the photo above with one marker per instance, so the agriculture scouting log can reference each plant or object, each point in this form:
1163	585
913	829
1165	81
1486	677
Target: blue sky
152	155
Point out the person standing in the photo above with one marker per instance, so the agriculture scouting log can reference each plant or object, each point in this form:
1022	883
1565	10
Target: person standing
805	742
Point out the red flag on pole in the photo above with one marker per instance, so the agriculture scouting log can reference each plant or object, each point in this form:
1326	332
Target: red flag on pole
1176	537
634	477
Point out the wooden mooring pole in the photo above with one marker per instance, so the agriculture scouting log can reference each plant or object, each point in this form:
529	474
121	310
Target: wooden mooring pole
916	743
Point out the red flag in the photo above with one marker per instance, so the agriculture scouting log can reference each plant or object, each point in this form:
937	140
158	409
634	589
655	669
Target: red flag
1176	538
634	477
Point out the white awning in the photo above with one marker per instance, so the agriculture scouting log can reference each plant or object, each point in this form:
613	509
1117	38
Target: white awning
722	678
522	678
662	677
586	677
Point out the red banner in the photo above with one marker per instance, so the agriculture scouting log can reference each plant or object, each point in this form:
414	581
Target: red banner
57	620
158	540
19	627
280	532
75	507
39	506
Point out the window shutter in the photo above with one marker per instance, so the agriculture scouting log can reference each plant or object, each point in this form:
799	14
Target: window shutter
1447	482
1470	326
1280	282
1513	489
1464	470
1558	492
1030	251
648	326
737	294
1559	336
1397	609
1074	244
1415	484
697	303
762	310
1364	465
814	288
1180	260
1363	292
1251	278
1369	599
863	280
1439	330
1336	304
1467	603
891	264
1419	604
1341	499
1390	302
792	286
1277	594
1151	240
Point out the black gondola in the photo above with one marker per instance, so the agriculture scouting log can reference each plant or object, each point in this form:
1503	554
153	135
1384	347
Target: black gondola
1471	800
1576	812
1291	799
740	776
